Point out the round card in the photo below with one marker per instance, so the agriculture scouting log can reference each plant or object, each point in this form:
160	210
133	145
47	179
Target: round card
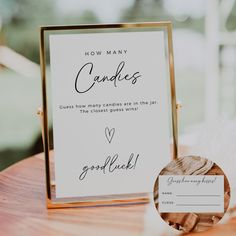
191	194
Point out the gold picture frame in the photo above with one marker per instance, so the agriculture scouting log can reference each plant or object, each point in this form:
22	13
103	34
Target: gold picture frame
52	202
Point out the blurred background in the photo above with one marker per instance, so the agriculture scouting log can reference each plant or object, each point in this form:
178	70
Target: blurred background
204	49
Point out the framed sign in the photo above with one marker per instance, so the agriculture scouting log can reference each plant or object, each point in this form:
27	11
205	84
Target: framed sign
109	98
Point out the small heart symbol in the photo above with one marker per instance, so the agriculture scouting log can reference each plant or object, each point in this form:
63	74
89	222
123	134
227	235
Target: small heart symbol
109	133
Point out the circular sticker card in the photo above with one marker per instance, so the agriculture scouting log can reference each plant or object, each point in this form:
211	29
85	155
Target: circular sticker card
191	194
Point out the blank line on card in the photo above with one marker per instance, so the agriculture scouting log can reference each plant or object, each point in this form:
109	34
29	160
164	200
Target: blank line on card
196	195
198	205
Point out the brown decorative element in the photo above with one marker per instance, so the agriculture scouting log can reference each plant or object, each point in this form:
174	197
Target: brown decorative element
193	222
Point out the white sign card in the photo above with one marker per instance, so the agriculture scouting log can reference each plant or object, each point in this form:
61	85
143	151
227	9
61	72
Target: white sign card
110	112
191	193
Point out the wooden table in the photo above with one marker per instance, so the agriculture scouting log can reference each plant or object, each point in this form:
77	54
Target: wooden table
23	210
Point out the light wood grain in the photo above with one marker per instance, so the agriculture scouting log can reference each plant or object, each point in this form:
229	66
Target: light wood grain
23	209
